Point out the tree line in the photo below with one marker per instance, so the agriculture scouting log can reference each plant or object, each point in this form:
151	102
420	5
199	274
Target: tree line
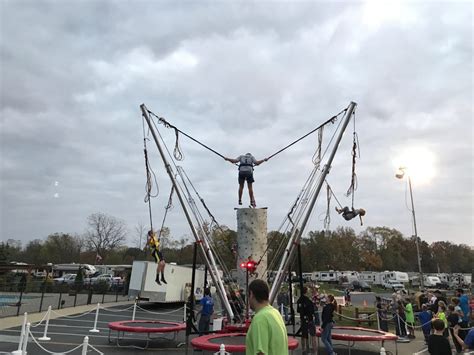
374	249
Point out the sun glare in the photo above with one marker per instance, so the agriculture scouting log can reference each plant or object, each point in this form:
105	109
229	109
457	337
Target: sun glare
419	164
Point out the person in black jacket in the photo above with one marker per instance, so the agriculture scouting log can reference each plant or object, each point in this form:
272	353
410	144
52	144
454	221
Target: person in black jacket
305	308
328	323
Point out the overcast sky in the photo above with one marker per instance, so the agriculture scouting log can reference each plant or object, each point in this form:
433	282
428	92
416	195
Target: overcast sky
240	76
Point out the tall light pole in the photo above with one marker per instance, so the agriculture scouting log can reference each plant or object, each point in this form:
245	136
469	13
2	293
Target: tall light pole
399	175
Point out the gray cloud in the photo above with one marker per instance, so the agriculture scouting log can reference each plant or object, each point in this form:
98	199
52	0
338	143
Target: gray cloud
239	76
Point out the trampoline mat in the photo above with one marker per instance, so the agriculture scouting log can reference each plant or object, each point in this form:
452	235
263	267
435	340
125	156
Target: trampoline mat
146	325
234	340
359	334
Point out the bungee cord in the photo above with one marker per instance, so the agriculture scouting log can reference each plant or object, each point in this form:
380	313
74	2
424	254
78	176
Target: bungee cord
178	154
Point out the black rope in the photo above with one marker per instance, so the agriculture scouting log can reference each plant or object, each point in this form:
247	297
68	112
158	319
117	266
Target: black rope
177	152
149	174
177	130
213	219
332	192
331	120
317	155
355	154
168	207
327	219
169	125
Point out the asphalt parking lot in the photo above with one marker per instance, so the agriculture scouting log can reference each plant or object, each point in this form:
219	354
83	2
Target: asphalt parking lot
67	332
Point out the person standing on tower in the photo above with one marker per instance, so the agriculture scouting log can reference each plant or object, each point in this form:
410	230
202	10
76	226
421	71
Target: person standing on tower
246	164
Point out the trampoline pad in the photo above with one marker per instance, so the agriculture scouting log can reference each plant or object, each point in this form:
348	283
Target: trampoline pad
234	342
358	334
140	326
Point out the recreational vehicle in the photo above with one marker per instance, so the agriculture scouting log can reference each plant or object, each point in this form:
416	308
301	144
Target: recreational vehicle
367	276
382	277
327	276
347	276
60	269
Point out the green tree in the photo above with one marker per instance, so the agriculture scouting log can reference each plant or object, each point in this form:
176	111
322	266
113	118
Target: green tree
9	252
34	252
62	248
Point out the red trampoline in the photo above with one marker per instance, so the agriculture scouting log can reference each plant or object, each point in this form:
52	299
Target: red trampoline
145	326
355	334
234	342
237	328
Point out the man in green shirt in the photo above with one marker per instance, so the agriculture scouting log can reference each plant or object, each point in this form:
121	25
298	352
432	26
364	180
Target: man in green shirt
267	333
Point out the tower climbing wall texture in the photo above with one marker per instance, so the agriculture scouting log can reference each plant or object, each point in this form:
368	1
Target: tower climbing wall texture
251	241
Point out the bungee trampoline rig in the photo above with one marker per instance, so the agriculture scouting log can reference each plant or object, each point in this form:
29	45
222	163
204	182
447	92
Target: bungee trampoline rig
286	249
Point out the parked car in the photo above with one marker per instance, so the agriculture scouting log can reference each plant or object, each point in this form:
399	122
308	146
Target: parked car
444	285
65	279
393	285
112	281
358	285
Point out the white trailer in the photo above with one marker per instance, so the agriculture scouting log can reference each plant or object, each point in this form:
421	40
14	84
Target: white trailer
143	285
431	281
347	276
383	277
327	276
461	280
60	269
368	276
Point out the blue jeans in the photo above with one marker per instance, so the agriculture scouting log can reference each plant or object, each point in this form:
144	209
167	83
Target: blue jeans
326	338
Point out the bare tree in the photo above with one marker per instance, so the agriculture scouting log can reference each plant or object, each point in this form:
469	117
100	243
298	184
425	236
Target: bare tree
140	235
105	233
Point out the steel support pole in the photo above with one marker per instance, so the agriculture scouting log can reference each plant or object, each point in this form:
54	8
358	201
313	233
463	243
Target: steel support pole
205	249
422	283
298	232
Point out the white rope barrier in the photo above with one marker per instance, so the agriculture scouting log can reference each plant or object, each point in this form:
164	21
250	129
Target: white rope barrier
116	310
95	349
147	311
355	319
25	339
95	330
22	335
51	352
420	326
84	346
46	315
72	317
134	310
45	334
222	351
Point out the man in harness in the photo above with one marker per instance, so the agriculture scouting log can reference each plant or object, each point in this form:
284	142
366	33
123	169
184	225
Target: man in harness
246	164
154	244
